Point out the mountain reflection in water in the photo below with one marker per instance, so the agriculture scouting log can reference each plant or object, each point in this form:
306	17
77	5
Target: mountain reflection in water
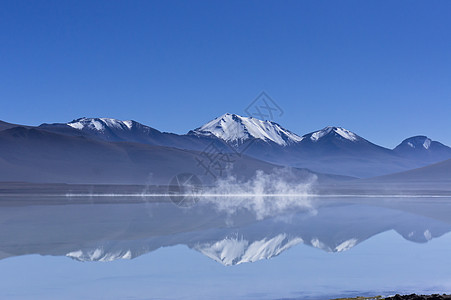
230	231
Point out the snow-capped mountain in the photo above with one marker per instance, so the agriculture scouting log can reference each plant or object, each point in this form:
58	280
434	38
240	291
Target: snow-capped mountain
105	129
422	147
417	142
114	130
101	124
335	150
333	132
335	141
236	129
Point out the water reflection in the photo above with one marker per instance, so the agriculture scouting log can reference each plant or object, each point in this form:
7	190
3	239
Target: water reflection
229	230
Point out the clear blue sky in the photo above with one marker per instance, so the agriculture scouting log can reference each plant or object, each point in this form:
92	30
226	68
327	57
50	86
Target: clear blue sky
379	68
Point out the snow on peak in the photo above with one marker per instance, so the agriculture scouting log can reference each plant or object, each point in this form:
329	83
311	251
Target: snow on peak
234	128
234	250
344	133
100	124
99	254
346	245
343	246
418	142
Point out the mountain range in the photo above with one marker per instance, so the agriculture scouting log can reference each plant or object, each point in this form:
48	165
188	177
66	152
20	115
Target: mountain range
104	150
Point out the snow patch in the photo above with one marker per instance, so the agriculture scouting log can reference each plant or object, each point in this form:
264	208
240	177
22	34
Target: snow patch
76	125
129	124
346	134
315	242
346	245
427	144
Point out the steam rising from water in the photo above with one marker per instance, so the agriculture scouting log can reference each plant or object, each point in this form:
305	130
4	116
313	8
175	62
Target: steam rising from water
264	194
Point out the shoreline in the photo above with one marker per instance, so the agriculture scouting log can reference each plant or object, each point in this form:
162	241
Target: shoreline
402	297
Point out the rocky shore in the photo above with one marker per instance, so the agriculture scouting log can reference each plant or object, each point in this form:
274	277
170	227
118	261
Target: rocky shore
403	297
420	297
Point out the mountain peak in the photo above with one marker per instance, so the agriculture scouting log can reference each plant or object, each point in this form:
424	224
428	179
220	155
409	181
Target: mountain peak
237	129
333	131
423	147
418	142
100	124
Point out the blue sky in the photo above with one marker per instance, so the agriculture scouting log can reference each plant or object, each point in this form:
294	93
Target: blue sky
379	68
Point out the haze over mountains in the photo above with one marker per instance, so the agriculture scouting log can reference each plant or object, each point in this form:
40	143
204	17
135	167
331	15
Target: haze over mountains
104	150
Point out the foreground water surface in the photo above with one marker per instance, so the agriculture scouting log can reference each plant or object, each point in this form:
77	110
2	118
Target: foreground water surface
137	247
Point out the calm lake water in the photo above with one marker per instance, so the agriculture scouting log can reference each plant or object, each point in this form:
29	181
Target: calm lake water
223	247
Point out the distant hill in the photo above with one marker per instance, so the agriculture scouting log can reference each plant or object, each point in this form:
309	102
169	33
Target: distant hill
5	125
439	172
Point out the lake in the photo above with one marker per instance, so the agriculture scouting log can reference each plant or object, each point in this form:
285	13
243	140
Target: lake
223	247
